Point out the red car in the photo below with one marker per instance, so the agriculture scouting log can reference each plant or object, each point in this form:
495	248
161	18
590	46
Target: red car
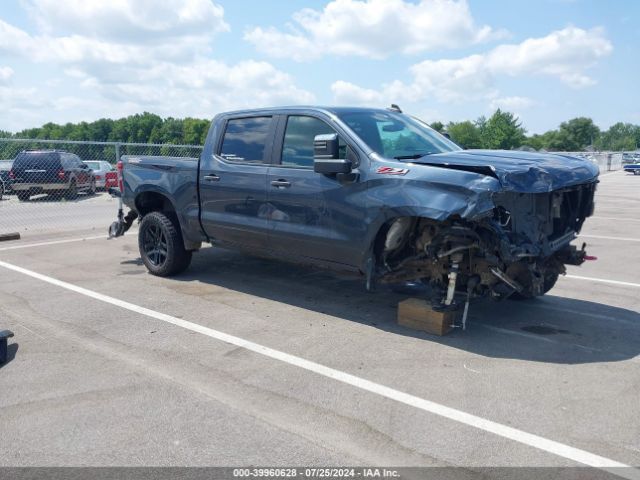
110	180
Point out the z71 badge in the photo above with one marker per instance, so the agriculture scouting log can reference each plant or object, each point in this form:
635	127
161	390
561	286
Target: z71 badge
392	171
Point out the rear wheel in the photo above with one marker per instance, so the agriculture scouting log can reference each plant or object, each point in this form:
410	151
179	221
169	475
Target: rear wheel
161	246
92	188
23	196
72	191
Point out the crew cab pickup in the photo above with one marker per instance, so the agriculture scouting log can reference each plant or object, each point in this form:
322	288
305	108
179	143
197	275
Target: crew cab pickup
373	191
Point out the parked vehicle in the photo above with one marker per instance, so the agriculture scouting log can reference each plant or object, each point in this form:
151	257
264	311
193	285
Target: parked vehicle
5	180
365	190
633	168
50	171
105	173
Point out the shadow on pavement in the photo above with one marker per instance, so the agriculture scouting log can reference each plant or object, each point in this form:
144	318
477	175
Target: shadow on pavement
548	329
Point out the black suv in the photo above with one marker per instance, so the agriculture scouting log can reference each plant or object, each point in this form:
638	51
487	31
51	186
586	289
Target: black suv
50	171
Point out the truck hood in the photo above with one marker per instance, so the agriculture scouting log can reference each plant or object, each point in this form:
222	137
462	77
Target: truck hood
526	172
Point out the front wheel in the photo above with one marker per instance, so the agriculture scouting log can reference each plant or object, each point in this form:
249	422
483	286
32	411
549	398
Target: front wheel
161	246
550	280
23	196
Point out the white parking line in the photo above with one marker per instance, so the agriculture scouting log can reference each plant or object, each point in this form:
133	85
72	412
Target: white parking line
604	237
604	280
55	242
619	219
520	436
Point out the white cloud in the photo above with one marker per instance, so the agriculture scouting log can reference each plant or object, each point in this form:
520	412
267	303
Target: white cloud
564	54
373	28
142	21
121	57
511	103
5	75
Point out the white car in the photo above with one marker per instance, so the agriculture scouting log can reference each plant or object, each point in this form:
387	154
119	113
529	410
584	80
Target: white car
100	169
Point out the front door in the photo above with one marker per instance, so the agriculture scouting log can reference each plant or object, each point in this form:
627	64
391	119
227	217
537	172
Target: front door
311	215
233	183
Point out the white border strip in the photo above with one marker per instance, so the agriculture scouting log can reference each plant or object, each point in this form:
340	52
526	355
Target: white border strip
535	441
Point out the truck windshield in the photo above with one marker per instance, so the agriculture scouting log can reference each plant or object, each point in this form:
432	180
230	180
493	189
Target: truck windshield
395	135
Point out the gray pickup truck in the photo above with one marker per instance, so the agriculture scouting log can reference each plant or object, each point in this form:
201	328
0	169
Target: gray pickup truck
366	190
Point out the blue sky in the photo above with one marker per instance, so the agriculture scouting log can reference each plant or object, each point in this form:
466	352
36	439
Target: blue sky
545	60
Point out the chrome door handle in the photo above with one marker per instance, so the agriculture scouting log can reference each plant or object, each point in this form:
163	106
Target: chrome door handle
280	184
212	178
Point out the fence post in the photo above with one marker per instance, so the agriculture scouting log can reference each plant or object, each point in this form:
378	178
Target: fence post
117	152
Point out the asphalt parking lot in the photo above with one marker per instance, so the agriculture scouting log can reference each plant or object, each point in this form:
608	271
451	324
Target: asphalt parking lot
135	370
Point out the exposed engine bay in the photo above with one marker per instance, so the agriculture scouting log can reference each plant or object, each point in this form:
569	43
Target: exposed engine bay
518	249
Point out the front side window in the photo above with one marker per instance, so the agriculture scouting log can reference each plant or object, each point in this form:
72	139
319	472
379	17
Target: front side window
395	135
297	149
245	139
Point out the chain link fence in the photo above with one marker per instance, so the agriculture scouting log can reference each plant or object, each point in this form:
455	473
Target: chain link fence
606	161
52	186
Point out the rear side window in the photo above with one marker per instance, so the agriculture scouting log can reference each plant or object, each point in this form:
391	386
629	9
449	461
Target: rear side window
69	162
36	161
245	139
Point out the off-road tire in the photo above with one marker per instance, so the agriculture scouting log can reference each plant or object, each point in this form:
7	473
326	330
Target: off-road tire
177	259
550	280
23	196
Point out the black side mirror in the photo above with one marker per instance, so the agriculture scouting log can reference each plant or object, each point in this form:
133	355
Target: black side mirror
326	150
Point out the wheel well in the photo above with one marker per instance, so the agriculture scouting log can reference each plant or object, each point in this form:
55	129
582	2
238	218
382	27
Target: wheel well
153	202
411	224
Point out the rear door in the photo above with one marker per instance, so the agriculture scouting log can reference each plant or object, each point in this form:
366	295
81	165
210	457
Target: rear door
312	215
233	182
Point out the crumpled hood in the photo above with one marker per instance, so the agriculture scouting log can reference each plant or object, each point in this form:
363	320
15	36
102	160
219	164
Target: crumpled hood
526	172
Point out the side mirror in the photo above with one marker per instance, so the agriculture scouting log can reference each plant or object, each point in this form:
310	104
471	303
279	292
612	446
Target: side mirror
326	150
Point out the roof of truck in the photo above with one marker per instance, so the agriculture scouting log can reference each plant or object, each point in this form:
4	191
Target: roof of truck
319	108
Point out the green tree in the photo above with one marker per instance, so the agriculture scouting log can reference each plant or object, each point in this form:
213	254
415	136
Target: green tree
437	126
620	136
466	134
574	135
503	131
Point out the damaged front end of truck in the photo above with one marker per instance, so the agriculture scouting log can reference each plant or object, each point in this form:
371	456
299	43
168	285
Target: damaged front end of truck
517	248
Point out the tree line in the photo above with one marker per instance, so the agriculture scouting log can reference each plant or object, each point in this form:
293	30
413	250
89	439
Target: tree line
139	128
502	130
